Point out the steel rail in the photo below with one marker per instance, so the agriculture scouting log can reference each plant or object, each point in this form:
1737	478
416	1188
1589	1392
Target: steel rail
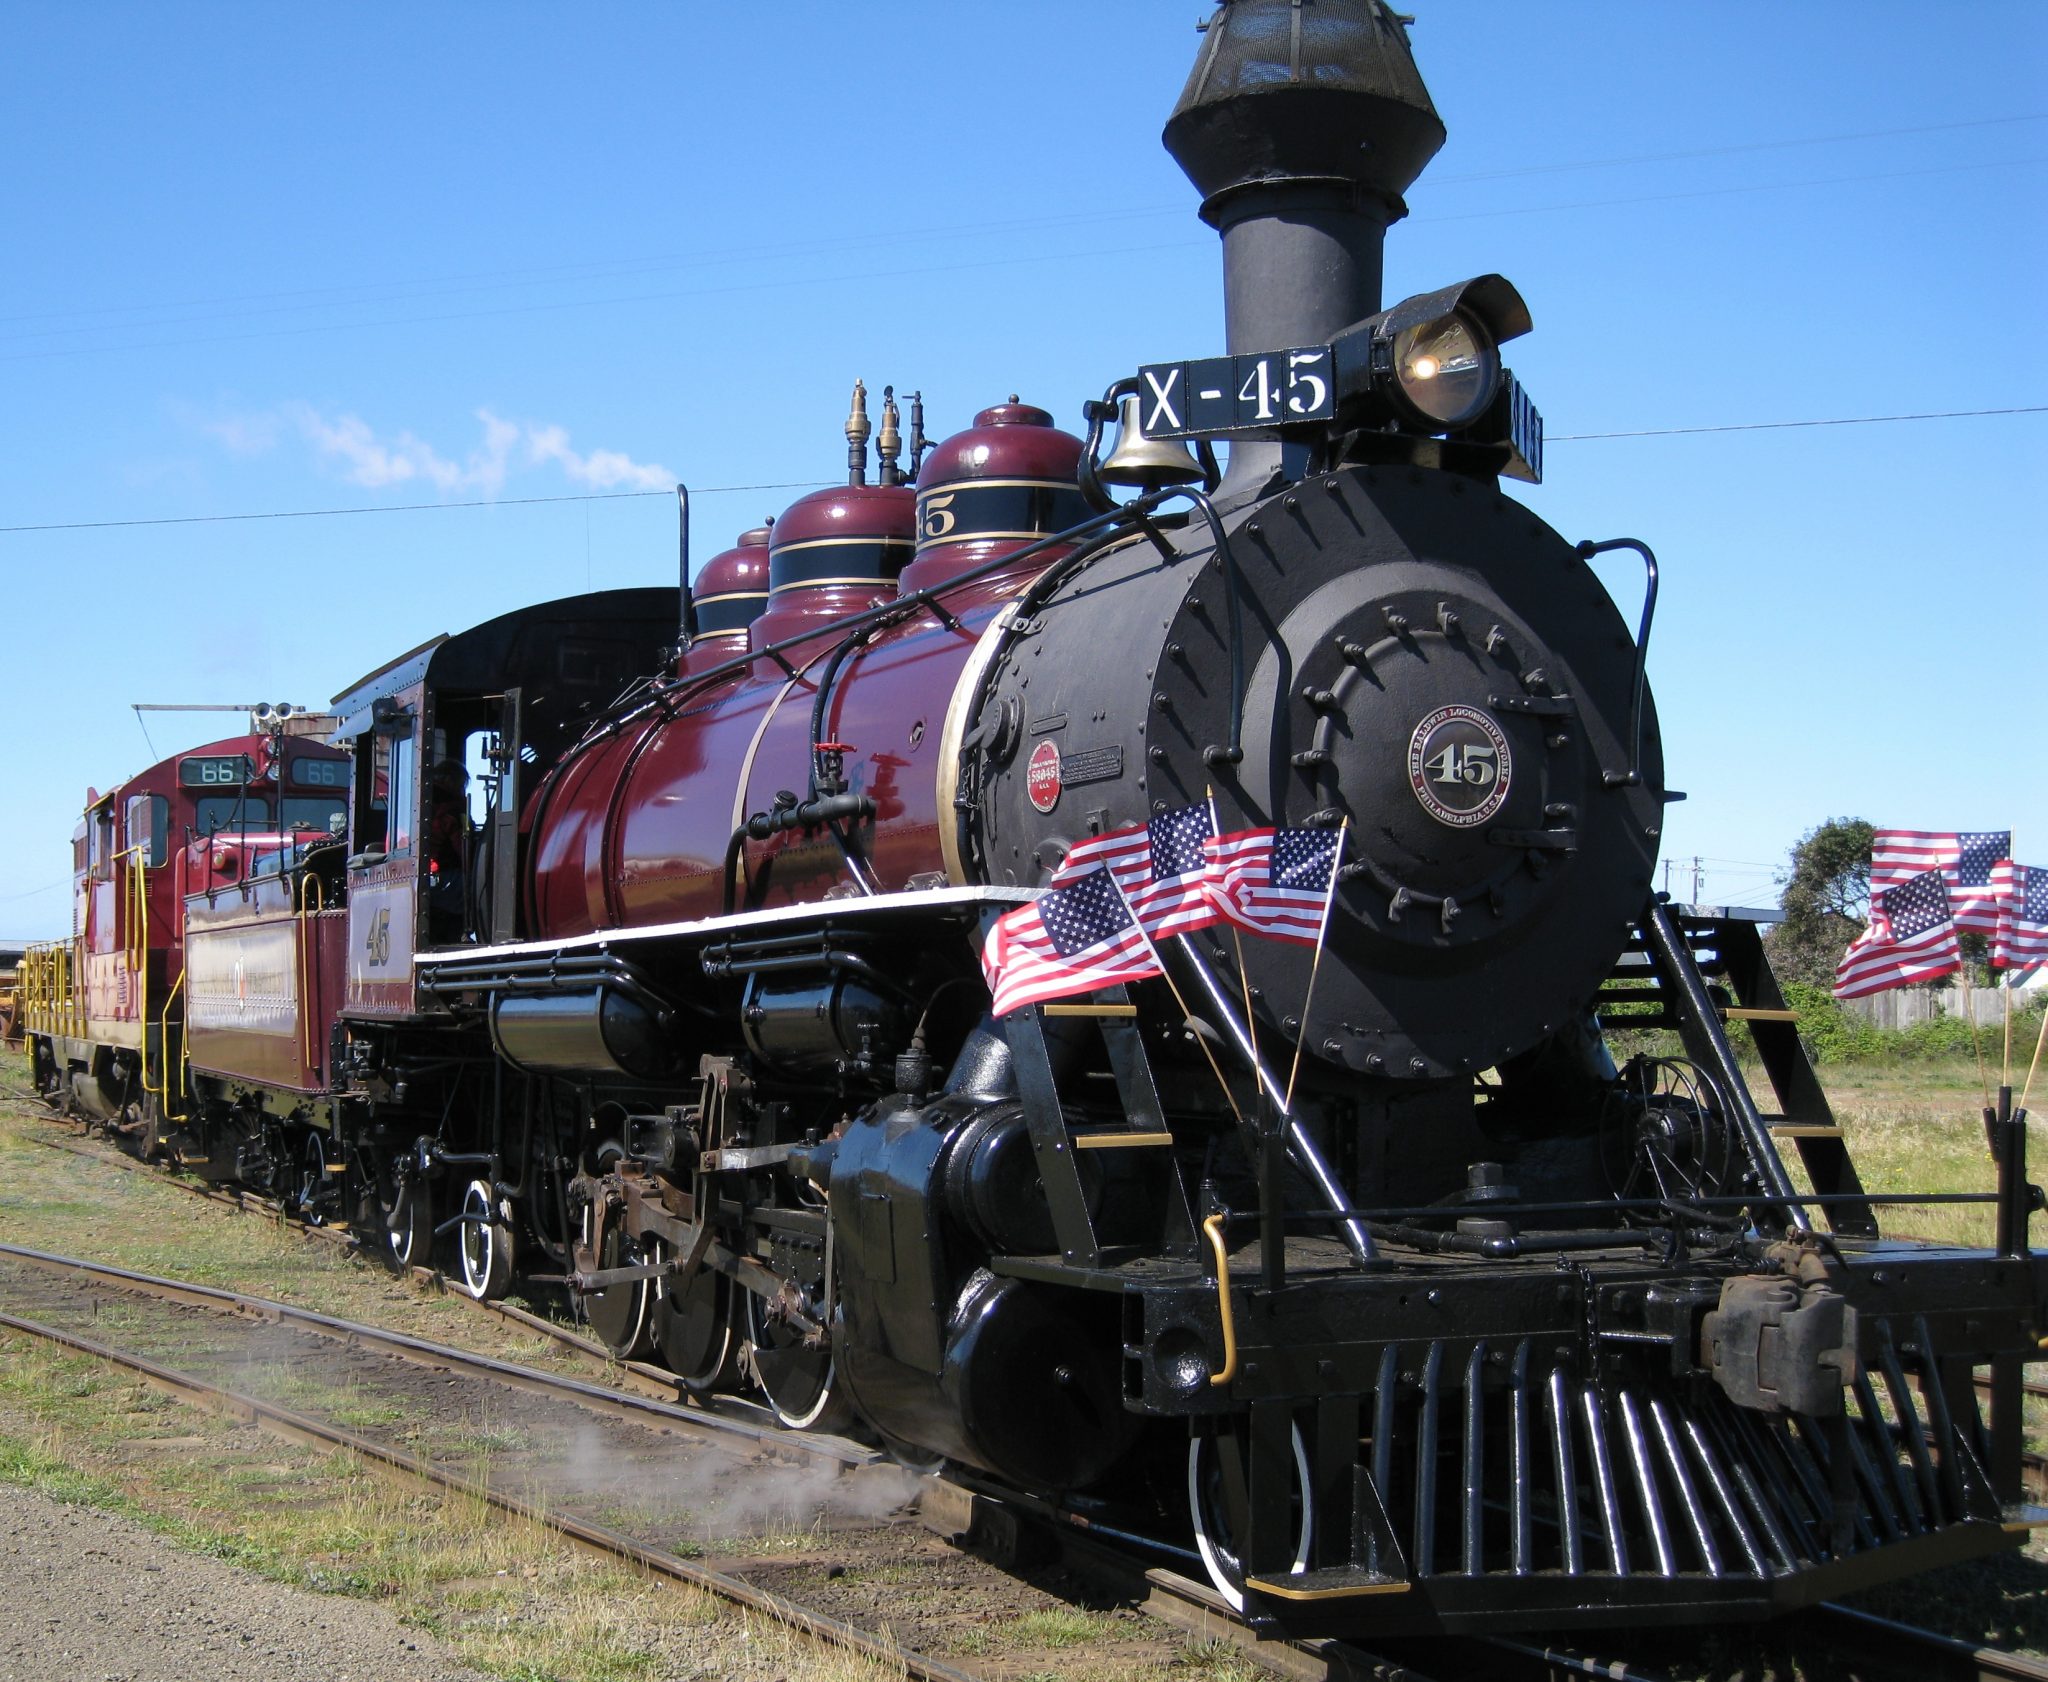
317	1433
639	1410
1915	1654
636	1375
1903	1650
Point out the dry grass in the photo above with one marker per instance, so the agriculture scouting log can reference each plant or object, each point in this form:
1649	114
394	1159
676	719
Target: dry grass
107	1214
1920	1129
510	1598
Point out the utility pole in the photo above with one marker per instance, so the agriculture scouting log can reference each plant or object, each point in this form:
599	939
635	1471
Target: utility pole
1667	878
1698	877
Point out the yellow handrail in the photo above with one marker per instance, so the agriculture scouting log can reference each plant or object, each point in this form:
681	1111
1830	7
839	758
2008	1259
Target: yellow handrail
307	912
163	1087
135	948
50	1003
1213	1227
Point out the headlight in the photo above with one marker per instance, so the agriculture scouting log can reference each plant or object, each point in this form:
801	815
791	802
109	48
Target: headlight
1447	369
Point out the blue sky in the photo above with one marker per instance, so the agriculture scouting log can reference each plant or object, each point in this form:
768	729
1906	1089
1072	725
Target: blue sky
265	258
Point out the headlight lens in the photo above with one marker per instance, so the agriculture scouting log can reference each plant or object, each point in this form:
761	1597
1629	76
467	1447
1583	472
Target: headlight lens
1447	369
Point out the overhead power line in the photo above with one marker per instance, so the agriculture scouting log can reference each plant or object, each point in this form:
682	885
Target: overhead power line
541	274
924	271
816	484
411	507
1779	426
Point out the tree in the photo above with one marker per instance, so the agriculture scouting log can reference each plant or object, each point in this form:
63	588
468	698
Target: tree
1826	900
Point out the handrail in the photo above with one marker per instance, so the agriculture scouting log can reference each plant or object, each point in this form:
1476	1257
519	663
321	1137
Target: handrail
162	1089
135	947
1227	1373
311	888
49	989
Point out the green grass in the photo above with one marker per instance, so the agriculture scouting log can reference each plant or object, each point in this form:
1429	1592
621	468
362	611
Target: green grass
1919	1129
511	1599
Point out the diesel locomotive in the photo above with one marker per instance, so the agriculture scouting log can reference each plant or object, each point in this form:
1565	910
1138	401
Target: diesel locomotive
648	962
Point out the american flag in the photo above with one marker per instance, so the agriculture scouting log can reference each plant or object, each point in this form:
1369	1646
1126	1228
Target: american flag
1071	939
2022	938
1277	881
1162	866
1966	859
1911	938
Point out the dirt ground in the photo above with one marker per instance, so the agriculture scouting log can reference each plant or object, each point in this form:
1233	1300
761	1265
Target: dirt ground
94	1594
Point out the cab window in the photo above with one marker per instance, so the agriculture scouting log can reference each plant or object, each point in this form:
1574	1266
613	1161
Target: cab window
149	821
239	810
402	794
102	833
373	758
311	811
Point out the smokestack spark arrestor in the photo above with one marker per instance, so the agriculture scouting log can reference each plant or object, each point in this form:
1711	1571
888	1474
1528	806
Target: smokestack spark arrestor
1301	125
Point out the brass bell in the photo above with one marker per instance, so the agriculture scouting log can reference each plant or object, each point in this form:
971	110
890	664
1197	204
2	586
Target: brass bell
1142	463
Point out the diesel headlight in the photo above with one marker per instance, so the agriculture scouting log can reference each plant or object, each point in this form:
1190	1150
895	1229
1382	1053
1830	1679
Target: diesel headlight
1446	370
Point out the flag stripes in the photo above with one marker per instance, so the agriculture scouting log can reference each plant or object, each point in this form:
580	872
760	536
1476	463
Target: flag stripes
1911	938
1965	858
2022	938
1276	882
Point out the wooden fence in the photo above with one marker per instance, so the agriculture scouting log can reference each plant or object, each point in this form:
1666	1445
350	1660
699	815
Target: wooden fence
1908	1007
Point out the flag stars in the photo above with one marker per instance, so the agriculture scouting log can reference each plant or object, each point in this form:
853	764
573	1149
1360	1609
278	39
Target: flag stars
1978	853
1083	914
1302	858
1921	904
1177	839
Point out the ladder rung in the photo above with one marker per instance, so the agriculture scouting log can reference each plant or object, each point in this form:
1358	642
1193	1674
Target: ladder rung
1089	1010
1756	1013
1115	1141
1805	1130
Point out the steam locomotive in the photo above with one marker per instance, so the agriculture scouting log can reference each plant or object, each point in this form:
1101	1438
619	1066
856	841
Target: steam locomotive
680	1004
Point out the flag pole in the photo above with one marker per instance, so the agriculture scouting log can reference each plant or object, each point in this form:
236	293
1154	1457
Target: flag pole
2005	1068
1976	1044
2039	1038
1315	965
1251	1022
1187	1015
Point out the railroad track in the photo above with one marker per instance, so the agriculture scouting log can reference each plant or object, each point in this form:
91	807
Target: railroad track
1005	1526
637	1376
305	1428
1164	1594
1878	1647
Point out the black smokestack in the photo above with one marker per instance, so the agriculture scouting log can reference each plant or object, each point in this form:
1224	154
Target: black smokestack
1302	124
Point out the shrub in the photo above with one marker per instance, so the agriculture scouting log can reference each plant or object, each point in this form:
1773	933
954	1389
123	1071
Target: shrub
1836	1035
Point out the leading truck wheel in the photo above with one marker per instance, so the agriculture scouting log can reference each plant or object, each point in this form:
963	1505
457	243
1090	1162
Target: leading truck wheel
486	1242
1210	1510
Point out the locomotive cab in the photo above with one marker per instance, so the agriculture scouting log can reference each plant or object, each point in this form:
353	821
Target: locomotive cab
446	741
